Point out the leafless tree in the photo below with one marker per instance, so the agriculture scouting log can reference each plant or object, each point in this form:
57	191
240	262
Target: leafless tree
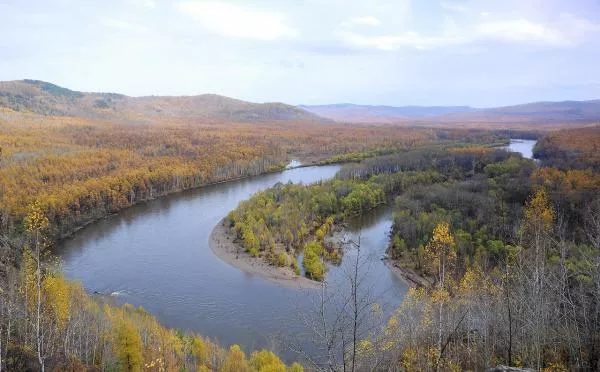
342	316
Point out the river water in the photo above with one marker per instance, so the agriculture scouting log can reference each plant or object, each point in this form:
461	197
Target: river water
157	255
523	146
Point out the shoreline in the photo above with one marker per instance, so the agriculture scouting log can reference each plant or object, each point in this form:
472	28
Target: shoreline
305	162
69	234
409	276
222	244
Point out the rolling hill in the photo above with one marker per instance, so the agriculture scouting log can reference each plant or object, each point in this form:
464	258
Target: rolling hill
381	114
49	99
537	112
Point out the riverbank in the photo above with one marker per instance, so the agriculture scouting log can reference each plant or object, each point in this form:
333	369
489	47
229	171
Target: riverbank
222	243
407	275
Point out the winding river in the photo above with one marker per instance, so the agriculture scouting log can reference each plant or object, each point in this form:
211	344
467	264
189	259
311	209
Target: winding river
157	255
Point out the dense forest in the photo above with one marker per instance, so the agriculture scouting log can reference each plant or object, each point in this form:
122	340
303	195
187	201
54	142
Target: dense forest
473	208
279	223
511	256
58	173
506	251
573	148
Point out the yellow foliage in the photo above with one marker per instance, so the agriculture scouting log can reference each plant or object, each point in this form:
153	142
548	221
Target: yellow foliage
199	350
28	277
266	361
365	348
441	249
392	323
556	367
472	280
57	298
440	295
35	220
408	359
295	367
538	212
432	356
235	361
128	346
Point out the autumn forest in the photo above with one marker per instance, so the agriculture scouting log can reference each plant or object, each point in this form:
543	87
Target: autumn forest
500	253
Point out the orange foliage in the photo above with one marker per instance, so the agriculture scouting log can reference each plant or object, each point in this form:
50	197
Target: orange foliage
578	148
81	169
566	181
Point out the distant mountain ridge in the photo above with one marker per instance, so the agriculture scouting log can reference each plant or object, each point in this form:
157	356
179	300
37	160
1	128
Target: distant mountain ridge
567	111
350	112
49	99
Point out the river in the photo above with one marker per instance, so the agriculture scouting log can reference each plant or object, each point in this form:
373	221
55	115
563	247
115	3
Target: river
157	255
523	146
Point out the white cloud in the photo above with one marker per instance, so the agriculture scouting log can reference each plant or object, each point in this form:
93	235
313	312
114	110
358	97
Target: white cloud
367	21
119	24
564	31
150	4
237	21
578	29
394	42
521	31
454	7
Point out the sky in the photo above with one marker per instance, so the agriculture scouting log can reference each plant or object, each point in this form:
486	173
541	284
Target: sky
401	52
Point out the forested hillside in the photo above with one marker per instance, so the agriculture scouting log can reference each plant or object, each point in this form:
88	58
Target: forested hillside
48	99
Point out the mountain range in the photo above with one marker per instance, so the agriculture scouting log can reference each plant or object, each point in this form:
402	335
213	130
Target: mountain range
49	99
548	112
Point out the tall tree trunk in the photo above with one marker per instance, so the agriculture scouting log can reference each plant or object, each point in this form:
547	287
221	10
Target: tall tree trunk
39	304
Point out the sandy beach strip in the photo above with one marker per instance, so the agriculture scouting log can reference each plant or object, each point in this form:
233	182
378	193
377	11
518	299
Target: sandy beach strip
407	275
222	243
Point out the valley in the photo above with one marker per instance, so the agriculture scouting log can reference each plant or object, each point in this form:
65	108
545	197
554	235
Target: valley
121	214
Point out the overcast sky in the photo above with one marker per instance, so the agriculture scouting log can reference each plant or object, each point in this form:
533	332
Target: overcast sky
401	52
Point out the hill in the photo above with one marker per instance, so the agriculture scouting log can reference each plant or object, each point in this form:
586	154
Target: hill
381	114
537	112
49	99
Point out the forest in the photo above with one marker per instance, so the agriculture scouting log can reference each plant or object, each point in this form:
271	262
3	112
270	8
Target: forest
506	251
283	221
59	173
573	148
466	213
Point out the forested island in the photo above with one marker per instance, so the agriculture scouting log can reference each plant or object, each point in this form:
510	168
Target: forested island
501	251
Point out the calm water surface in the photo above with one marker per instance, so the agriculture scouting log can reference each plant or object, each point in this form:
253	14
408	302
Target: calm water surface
524	146
157	255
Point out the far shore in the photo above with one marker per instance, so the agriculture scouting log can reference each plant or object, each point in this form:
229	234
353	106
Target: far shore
223	245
